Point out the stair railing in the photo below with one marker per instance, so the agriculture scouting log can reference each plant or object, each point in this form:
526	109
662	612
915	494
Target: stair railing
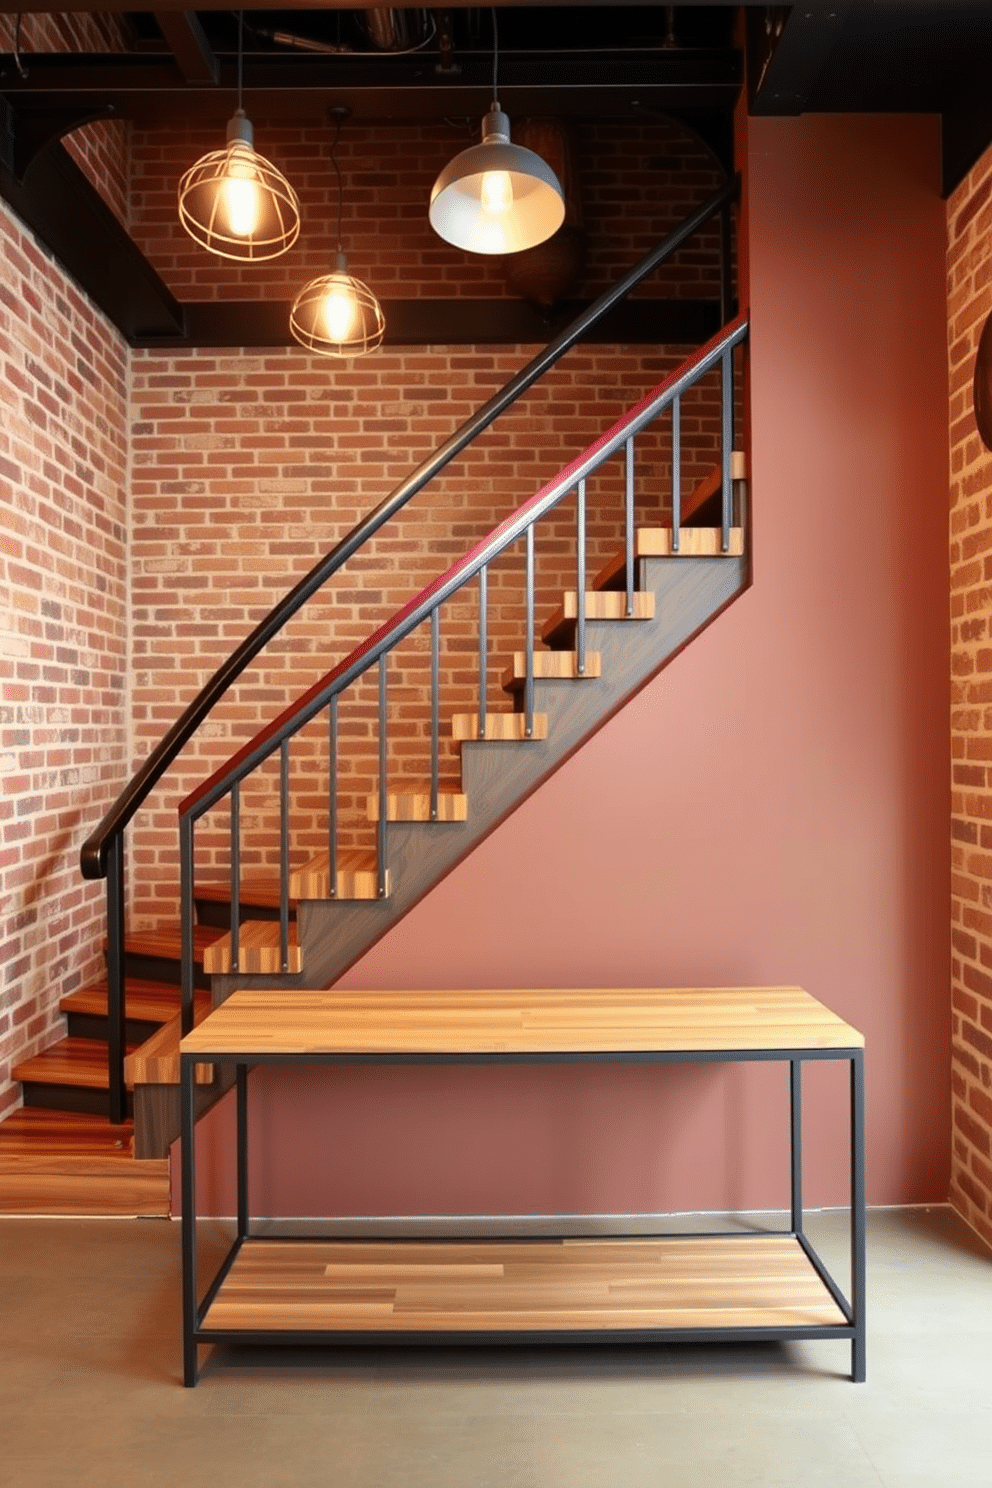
426	607
103	853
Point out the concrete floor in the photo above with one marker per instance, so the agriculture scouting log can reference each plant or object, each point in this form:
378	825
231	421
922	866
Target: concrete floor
90	1389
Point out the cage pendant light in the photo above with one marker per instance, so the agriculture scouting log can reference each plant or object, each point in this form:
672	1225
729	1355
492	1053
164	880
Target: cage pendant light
337	315
234	202
496	197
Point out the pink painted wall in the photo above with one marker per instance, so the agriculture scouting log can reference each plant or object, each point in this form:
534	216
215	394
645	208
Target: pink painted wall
772	809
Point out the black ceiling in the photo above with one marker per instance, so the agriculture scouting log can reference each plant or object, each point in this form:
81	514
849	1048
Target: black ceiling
591	60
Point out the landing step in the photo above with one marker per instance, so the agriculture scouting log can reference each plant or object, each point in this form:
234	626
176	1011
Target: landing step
657	542
415	806
556	666
601	604
500	727
259	950
258	899
357	877
62	1162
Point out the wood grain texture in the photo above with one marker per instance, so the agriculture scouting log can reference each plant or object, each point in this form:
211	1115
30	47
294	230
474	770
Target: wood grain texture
259	949
415	806
547	1022
35	1185
712	483
601	604
726	1281
656	542
72	1061
357	877
36	1131
151	1002
555	666
500	727
156	1061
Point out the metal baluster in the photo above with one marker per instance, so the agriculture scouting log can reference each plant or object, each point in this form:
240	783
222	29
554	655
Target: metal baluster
116	1010
580	593
726	363
284	854
676	473
235	875
186	921
529	668
332	804
483	645
629	522
435	703
383	799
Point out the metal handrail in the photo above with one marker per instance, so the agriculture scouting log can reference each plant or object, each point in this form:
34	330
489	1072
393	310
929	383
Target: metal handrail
426	605
102	854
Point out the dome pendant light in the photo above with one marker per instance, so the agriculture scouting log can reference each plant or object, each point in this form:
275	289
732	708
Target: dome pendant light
337	315
496	197
233	202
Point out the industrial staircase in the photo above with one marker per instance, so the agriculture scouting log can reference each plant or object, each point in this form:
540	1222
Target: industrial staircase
320	912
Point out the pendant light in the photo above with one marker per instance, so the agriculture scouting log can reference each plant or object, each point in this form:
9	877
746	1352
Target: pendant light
337	315
496	197
233	201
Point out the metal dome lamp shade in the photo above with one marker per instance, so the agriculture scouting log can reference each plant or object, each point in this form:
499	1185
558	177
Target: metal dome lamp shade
496	197
337	315
233	202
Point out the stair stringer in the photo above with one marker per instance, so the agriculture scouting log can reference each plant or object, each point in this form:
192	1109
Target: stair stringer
498	776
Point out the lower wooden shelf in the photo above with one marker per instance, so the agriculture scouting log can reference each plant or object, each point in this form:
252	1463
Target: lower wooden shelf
724	1282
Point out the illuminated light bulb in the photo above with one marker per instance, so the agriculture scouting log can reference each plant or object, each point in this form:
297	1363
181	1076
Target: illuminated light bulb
338	314
241	198
497	192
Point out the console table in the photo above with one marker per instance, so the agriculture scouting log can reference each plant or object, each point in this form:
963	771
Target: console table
720	1287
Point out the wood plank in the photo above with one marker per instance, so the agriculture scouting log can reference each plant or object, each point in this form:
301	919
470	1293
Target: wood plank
156	1061
656	542
164	943
71	1186
261	893
507	727
357	877
556	666
505	1022
726	1281
72	1061
601	604
38	1131
415	806
146	1002
259	949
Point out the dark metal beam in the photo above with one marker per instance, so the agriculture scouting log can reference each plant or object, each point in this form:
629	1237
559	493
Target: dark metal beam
793	55
57	202
188	44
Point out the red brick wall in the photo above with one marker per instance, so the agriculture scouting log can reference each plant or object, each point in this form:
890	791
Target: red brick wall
969	289
63	635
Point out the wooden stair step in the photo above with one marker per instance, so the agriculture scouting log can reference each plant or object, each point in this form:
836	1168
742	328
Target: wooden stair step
414	805
36	1131
601	604
145	1003
259	950
710	489
77	1062
499	727
357	877
556	666
258	898
156	955
656	542
156	1062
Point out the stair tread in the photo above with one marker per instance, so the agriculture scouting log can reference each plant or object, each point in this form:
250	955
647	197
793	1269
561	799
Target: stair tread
601	604
146	1002
357	876
165	942
413	804
259	949
656	542
156	1061
78	1062
499	727
550	666
36	1131
261	893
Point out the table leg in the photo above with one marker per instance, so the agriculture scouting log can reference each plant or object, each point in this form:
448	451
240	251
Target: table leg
796	1137
242	1139
858	1218
187	1127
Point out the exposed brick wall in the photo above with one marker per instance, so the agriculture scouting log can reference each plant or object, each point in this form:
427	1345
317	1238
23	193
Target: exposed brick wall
969	287
63	632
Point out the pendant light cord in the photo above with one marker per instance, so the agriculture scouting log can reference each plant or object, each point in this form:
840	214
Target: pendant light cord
337	172
495	58
241	56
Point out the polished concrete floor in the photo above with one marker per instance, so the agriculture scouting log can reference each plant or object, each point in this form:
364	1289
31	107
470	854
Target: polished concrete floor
90	1390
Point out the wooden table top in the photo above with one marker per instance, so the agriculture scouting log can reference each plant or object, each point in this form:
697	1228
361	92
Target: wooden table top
544	1022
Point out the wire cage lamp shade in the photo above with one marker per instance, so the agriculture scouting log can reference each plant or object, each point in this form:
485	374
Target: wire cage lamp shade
496	197
235	203
337	315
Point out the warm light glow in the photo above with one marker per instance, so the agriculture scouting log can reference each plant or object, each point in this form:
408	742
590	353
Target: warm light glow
497	192
240	193
338	312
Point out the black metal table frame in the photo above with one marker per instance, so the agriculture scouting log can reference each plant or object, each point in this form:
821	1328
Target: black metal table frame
194	1312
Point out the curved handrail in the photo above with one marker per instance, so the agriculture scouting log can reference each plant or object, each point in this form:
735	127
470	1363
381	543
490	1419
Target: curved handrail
95	851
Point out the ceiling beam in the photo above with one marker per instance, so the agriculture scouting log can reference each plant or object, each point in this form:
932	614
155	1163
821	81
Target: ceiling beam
792	55
188	44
